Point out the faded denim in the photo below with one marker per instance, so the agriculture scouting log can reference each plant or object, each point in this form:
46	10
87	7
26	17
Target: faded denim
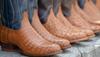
12	13
44	7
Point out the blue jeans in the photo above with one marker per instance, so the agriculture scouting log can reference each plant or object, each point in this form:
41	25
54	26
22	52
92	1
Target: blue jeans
32	5
44	7
82	2
65	5
12	13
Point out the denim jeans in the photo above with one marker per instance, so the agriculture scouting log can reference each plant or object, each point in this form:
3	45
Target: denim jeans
66	7
56	4
44	7
81	3
94	1
32	5
12	13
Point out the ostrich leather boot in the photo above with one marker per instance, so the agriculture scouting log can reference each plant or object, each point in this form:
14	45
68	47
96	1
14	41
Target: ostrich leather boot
53	25
94	27
94	14
37	25
69	24
16	29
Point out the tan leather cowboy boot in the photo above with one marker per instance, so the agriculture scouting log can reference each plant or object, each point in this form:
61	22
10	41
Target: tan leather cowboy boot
64	43
25	36
94	14
94	27
28	40
77	20
63	32
54	26
68	24
71	30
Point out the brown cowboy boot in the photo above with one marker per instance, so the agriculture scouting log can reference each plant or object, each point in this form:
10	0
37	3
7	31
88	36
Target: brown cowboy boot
69	27
54	26
68	24
64	43
24	40
94	27
94	14
24	36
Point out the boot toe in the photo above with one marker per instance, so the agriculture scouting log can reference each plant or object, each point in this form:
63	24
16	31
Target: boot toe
64	43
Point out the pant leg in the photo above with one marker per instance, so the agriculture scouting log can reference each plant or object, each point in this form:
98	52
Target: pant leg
44	7
56	4
94	1
32	5
81	3
12	13
66	7
1	12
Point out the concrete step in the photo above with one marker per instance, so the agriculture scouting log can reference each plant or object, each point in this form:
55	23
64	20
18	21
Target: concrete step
90	48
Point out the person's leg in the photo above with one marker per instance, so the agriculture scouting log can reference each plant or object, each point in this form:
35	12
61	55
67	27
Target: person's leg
17	30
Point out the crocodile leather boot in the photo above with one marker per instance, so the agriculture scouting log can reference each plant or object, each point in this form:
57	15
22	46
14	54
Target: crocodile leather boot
66	20
53	25
69	26
94	14
43	32
94	27
15	29
77	20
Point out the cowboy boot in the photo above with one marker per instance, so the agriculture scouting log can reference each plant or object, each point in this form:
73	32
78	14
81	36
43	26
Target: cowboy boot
94	27
42	31
76	19
94	14
53	25
66	21
16	29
